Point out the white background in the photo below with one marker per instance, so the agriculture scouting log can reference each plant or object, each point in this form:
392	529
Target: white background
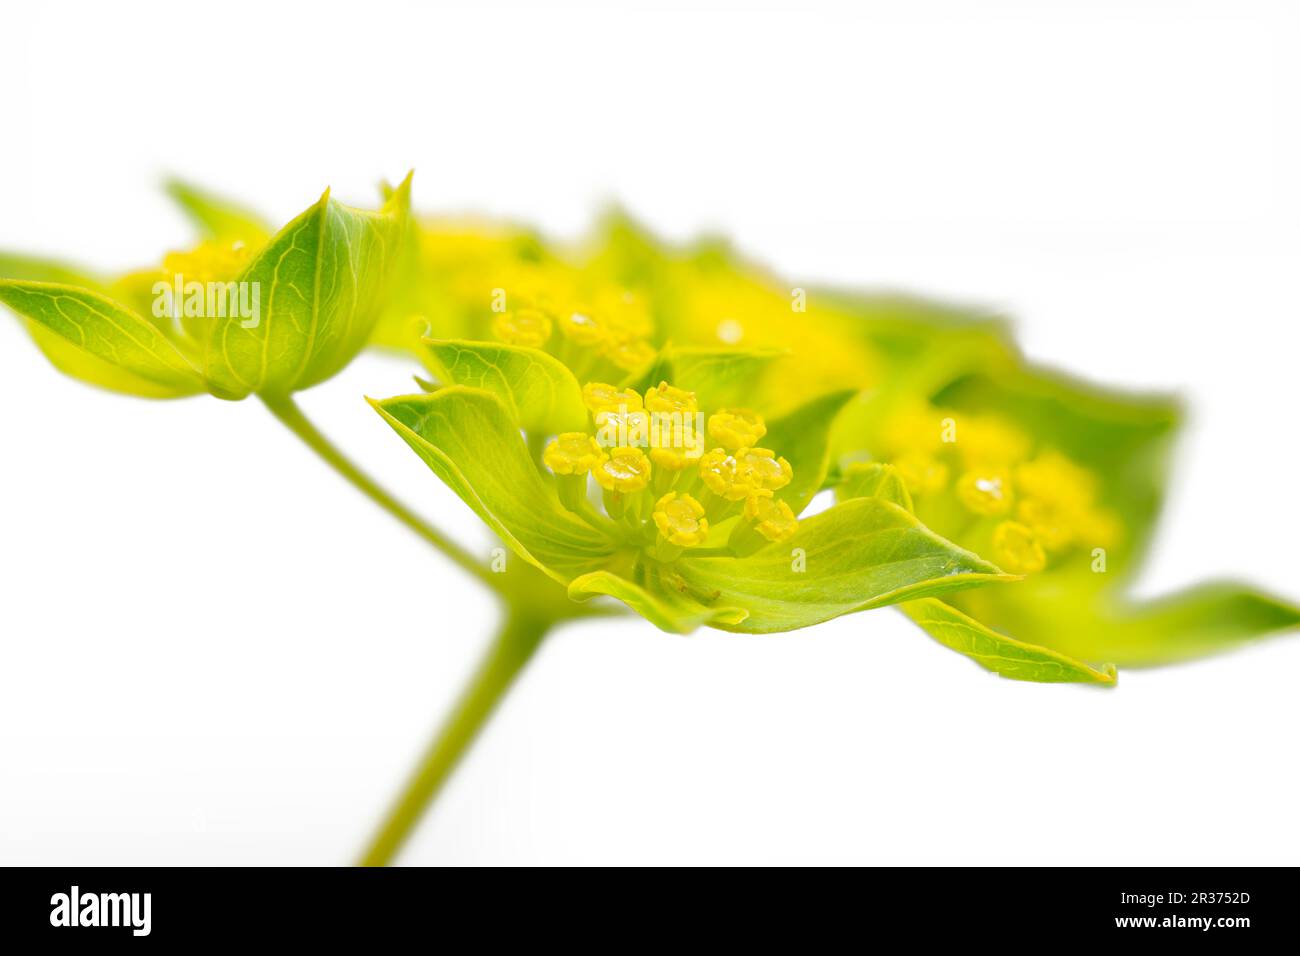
213	651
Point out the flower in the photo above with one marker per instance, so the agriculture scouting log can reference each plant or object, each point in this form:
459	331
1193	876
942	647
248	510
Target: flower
681	520
625	470
674	457
666	399
761	468
720	473
1052	499
773	519
1016	549
600	397
683	546
736	428
985	492
528	327
582	326
573	453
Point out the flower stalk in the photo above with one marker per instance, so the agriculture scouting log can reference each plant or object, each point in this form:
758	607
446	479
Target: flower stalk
514	646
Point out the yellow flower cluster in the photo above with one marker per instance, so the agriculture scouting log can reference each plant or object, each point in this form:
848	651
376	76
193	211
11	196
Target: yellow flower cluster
605	305
656	442
555	308
1029	503
209	261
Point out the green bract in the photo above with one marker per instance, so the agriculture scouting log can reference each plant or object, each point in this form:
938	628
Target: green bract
244	313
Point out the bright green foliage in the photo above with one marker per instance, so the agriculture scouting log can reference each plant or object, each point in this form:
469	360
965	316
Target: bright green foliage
862	554
314	292
470	441
536	389
999	653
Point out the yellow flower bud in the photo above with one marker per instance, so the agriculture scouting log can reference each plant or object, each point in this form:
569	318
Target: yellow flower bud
619	427
581	326
721	476
672	458
626	314
607	398
631	355
1053	526
680	519
734	428
772	519
922	474
1015	549
1054	478
209	261
667	398
527	327
761	468
985	492
988	441
625	470
573	453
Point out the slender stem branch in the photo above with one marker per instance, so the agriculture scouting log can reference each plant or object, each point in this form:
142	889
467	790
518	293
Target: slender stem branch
512	649
291	416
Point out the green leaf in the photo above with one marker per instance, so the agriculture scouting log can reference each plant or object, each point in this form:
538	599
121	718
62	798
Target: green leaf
666	608
321	283
999	653
861	554
539	391
217	217
1207	619
802	437
1203	620
469	439
720	378
93	338
874	480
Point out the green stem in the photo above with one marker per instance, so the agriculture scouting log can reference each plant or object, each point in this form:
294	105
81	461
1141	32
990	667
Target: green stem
287	411
514	646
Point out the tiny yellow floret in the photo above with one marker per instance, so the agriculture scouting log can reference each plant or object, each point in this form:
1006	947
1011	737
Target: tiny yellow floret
761	468
625	470
922	474
668	398
772	519
680	519
527	327
674	458
608	398
209	261
630	355
719	472
573	453
581	325
734	428
985	492
1015	549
